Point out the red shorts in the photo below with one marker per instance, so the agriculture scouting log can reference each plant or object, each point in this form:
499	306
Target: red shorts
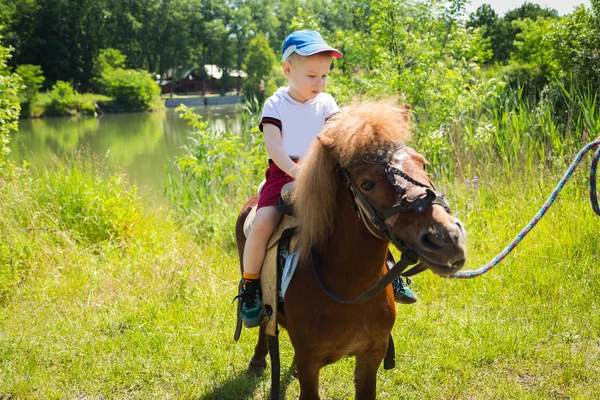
271	191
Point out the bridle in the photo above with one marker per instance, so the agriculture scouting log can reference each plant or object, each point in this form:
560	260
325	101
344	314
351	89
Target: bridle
415	199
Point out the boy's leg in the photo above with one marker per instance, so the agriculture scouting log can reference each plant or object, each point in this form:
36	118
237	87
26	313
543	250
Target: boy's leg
263	226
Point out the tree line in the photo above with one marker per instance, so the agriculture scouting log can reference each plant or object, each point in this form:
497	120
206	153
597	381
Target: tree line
65	36
428	53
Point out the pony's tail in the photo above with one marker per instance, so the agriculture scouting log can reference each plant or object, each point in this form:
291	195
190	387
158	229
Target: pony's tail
315	197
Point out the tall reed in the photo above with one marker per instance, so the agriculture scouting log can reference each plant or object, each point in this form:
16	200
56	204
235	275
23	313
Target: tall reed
512	136
219	171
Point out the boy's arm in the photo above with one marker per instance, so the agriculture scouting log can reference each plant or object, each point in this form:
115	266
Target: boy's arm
277	152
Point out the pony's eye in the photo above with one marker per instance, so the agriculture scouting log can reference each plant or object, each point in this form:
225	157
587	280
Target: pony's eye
367	186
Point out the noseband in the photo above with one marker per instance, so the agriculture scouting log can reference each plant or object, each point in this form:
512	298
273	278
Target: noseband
417	199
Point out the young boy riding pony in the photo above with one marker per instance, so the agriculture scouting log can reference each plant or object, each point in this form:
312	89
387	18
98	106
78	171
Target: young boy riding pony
292	118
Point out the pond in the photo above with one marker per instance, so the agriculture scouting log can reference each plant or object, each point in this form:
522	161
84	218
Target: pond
139	144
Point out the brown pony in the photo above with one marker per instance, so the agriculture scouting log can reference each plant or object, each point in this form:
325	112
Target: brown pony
352	251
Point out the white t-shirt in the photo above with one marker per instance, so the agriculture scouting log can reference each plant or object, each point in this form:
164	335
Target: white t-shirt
299	122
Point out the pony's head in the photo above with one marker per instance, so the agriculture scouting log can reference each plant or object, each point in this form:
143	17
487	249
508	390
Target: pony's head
363	149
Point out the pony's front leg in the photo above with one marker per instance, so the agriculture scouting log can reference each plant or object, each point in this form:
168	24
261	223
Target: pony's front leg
365	373
308	377
258	363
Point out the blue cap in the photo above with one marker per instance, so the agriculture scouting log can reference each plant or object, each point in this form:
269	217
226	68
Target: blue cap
306	43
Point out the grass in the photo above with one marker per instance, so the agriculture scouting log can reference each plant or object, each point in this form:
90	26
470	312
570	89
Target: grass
147	313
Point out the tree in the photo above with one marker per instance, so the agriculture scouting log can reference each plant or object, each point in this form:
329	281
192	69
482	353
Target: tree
501	31
107	60
576	39
258	64
532	64
10	84
33	78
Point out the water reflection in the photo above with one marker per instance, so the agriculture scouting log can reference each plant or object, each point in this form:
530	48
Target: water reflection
139	144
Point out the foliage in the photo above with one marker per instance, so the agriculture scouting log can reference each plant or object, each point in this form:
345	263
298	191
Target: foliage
106	61
217	169
419	54
576	39
533	64
258	64
502	31
135	90
33	78
10	85
61	99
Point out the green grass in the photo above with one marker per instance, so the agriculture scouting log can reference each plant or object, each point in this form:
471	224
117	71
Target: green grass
148	313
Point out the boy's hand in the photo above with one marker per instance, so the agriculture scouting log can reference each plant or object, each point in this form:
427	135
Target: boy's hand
293	172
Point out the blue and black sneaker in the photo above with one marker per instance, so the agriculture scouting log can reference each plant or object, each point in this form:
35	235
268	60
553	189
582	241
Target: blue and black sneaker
402	293
252	309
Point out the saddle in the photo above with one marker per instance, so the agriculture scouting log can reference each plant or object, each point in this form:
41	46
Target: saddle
282	242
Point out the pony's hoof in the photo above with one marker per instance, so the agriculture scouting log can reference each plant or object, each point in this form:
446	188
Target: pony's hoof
256	368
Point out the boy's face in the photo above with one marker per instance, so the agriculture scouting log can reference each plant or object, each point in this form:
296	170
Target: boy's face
307	76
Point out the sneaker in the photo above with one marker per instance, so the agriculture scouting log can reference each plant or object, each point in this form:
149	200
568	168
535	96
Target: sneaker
402	293
252	309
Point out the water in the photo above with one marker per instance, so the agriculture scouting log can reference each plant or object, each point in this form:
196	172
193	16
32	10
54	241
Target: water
139	145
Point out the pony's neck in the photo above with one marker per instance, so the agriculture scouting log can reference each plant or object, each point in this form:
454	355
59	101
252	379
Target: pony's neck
353	259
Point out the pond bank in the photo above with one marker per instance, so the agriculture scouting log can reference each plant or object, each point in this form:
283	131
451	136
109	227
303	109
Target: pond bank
201	101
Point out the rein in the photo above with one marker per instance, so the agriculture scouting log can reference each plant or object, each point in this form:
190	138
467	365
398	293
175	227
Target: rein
593	200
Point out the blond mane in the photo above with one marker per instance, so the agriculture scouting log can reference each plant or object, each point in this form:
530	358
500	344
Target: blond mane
346	135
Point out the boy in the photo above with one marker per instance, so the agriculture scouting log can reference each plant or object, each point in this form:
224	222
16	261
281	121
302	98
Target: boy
291	119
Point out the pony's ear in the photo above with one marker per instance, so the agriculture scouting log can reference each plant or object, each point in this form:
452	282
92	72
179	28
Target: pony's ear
405	111
326	142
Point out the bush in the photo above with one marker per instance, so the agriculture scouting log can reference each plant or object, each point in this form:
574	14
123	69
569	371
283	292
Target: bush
33	78
10	84
107	59
133	89
62	98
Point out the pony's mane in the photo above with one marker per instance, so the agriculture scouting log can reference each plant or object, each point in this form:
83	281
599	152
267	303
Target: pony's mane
345	136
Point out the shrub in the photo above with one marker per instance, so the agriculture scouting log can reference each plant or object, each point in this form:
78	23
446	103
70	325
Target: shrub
62	99
107	60
133	89
33	78
10	84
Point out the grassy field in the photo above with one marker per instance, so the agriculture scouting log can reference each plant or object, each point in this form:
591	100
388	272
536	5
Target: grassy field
124	303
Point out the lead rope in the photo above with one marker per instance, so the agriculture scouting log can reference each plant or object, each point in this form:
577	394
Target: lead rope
593	200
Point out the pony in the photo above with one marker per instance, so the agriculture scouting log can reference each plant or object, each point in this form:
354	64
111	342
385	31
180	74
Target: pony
361	155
